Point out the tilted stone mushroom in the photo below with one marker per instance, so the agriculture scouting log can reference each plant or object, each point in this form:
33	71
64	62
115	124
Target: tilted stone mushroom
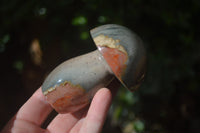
120	54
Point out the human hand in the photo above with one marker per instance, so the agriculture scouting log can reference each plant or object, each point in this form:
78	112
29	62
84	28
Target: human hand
34	112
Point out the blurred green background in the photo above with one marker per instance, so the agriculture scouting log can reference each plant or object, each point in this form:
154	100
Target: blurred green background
36	36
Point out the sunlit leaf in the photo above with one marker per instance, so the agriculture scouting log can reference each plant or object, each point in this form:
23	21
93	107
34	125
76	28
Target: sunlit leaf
102	19
80	20
84	35
139	125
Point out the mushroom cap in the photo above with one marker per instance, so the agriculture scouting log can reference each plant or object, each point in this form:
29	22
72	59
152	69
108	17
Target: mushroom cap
121	38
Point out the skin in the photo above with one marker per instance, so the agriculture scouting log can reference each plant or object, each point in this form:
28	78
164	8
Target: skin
34	112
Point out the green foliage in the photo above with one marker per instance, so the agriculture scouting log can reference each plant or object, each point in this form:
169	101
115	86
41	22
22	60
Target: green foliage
80	20
84	35
139	126
18	65
3	41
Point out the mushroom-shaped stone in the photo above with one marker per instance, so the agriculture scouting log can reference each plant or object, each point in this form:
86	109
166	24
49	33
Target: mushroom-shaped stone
72	85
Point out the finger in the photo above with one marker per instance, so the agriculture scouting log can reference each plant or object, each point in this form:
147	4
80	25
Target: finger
21	126
63	123
97	112
35	110
76	128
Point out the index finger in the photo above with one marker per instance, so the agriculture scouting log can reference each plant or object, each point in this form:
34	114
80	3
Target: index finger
97	112
36	109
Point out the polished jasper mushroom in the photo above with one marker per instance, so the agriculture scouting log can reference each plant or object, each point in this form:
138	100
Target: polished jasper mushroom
120	54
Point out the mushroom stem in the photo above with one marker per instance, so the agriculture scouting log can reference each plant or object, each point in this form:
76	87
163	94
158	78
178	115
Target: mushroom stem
73	83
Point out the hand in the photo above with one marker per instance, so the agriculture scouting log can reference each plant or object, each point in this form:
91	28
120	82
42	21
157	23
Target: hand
34	112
